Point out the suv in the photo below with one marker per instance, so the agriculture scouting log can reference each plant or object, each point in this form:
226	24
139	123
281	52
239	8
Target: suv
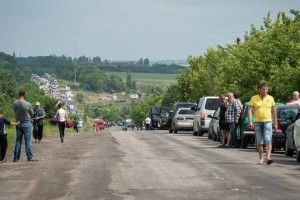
178	105
206	106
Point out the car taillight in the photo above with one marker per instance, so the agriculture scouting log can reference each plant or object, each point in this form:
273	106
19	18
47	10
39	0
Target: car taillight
250	128
180	118
202	116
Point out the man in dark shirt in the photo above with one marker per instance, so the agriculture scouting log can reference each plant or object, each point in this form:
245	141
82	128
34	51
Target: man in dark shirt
38	116
23	112
224	126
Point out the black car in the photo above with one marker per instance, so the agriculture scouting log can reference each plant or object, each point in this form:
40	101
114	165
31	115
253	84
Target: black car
158	116
284	113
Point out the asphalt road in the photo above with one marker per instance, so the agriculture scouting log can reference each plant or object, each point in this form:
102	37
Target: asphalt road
145	165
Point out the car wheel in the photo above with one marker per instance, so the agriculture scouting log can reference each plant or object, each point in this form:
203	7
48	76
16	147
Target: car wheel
298	156
195	133
175	131
244	142
209	133
170	130
288	152
214	136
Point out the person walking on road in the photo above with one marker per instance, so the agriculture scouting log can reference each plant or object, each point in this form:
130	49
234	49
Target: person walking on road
61	116
38	116
232	117
3	135
23	112
147	123
263	107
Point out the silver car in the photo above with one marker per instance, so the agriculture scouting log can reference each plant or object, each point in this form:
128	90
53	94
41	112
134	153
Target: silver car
183	120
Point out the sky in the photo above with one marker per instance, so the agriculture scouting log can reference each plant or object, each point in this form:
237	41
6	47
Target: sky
129	29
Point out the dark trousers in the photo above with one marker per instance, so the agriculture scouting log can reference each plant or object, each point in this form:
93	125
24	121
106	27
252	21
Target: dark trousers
38	132
147	126
234	139
61	128
76	128
3	145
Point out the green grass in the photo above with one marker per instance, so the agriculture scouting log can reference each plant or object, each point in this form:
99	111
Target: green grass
147	77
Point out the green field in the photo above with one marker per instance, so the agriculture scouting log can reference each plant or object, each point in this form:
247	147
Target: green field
148	77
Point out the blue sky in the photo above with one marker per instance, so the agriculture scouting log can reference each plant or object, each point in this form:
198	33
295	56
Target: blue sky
129	29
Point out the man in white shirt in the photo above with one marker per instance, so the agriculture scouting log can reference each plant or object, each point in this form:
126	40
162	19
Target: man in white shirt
147	123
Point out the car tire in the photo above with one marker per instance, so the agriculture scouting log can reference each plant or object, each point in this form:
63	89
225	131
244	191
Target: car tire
195	133
288	152
175	131
209	133
200	133
214	136
298	156
244	142
170	130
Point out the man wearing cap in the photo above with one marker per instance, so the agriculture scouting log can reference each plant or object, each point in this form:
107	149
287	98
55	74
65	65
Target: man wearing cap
38	116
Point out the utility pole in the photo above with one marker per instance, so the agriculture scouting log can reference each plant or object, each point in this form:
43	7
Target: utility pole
75	64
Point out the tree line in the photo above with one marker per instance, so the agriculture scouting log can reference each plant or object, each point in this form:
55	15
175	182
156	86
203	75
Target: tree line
270	53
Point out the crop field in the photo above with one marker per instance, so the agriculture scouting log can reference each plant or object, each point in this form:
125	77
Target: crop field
148	77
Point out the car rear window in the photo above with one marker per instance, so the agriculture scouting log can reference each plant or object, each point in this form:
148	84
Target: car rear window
187	105
154	110
212	104
187	112
287	112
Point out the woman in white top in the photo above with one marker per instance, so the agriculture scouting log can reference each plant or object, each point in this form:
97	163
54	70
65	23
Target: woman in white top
61	116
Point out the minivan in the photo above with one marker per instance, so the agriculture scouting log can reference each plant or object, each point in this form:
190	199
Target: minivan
206	106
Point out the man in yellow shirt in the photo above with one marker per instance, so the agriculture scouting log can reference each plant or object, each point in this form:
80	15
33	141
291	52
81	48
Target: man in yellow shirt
263	107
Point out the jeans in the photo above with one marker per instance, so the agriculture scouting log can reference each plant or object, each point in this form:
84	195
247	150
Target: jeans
234	139
263	132
24	128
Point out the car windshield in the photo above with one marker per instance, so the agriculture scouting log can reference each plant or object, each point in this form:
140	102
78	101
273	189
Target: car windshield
212	104
187	112
187	105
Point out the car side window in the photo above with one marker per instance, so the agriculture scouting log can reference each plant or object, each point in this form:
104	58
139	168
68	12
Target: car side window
212	104
200	103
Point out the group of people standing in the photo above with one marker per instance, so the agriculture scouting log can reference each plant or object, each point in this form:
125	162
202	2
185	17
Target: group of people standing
29	121
229	119
262	106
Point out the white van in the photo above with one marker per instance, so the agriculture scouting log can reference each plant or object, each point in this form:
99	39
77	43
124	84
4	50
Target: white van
206	106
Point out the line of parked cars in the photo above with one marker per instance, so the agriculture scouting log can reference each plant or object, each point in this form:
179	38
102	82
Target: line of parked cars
203	117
